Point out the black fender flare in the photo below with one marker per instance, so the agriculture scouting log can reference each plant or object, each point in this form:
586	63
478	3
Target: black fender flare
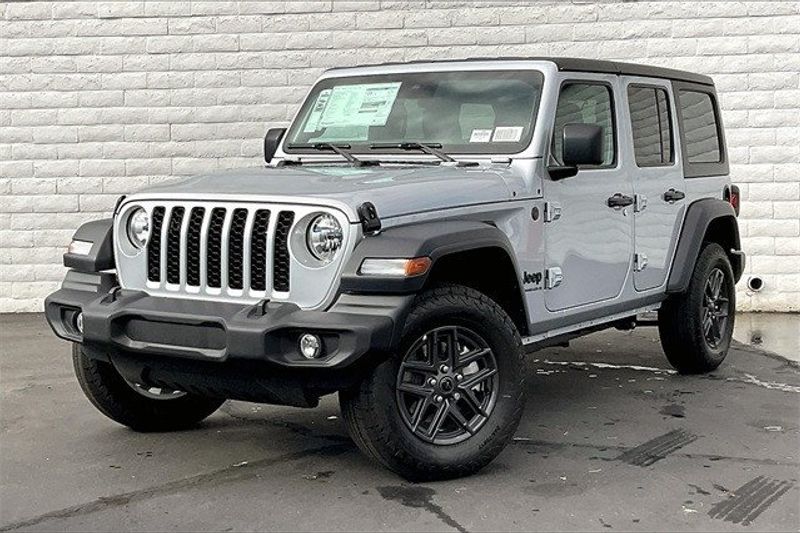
700	215
426	239
101	255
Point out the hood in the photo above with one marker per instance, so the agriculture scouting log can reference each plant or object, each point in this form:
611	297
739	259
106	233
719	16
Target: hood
394	190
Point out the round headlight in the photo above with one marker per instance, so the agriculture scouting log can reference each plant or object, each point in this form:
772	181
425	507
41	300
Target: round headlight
139	227
324	237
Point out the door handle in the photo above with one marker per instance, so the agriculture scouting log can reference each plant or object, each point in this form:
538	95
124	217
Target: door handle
673	195
619	200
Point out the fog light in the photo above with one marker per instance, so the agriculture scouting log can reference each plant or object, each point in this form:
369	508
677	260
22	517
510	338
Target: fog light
79	322
310	346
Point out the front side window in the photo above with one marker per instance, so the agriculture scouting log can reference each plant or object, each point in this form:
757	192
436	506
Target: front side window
700	127
585	103
464	112
651	125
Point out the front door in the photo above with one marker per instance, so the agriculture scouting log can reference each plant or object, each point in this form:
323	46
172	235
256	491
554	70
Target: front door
588	243
657	178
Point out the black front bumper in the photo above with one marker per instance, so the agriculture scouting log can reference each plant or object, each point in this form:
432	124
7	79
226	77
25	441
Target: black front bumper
158	340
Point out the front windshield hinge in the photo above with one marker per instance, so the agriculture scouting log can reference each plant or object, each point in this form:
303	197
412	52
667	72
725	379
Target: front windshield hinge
368	215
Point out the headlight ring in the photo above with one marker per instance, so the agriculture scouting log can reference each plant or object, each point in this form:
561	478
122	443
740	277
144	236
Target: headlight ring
138	227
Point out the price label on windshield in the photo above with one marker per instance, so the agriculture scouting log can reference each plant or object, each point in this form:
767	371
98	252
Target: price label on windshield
353	105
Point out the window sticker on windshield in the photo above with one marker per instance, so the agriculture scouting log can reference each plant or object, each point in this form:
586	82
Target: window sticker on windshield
480	136
353	105
507	134
312	123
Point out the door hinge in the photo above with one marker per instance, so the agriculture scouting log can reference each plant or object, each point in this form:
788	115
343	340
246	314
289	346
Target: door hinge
552	211
553	277
639	262
639	203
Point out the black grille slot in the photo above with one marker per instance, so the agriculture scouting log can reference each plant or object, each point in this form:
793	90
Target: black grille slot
214	253
236	249
280	267
258	251
154	245
174	245
193	246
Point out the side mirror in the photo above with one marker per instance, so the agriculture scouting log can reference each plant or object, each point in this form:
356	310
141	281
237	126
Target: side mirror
583	145
271	142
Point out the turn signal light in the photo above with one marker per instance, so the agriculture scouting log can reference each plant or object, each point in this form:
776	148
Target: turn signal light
398	268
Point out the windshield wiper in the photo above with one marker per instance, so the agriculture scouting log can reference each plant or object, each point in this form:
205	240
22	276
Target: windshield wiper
340	149
428	148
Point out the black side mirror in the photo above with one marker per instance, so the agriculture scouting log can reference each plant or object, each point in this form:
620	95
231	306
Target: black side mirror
271	142
583	145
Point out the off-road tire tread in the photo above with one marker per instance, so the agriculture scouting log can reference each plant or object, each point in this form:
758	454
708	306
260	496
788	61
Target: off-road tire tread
113	397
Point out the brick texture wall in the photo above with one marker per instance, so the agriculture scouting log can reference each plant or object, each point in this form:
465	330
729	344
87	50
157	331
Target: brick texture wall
98	99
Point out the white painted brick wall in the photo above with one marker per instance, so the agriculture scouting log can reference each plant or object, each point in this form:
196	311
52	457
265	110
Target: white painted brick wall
98	99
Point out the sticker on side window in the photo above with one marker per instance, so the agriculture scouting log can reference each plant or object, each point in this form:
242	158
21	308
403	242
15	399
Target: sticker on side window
507	134
480	136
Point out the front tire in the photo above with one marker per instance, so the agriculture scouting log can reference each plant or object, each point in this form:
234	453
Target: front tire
452	397
696	326
136	407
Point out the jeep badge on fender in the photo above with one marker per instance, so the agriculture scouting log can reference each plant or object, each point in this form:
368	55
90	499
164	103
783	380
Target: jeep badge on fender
391	251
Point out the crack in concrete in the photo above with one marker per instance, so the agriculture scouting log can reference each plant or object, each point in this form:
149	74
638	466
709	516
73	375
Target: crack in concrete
224	475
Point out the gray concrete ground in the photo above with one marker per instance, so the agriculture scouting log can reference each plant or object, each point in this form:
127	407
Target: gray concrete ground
611	439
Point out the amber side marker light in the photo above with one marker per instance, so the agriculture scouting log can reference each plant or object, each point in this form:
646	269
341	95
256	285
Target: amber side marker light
398	268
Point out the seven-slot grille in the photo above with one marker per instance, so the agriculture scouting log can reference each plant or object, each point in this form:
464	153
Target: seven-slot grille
220	247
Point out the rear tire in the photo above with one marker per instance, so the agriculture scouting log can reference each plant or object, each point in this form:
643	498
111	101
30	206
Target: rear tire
452	397
696	326
134	407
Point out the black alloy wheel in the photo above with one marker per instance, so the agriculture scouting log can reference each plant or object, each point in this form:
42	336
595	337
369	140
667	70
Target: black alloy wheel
447	385
715	308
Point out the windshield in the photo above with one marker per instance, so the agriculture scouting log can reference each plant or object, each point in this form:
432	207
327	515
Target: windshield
483	112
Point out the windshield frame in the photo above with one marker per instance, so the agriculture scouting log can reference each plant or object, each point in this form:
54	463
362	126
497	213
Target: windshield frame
377	76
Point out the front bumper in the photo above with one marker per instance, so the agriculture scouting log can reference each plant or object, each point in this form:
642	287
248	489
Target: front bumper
213	338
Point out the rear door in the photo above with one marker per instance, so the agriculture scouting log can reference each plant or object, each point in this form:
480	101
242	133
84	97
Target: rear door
657	177
588	245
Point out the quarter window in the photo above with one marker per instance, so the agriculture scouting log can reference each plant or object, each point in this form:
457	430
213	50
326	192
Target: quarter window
651	126
585	103
700	127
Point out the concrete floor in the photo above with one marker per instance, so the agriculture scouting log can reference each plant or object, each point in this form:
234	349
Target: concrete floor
611	439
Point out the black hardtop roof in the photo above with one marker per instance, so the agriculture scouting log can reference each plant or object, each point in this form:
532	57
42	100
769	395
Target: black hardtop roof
575	64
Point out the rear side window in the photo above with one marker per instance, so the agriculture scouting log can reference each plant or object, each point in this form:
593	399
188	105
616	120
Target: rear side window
700	127
585	103
651	125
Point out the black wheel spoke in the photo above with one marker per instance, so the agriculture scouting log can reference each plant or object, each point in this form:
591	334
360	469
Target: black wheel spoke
477	378
470	357
418	366
473	402
455	414
419	412
418	390
438	419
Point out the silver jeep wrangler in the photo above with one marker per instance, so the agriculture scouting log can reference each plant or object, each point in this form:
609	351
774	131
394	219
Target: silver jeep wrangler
417	229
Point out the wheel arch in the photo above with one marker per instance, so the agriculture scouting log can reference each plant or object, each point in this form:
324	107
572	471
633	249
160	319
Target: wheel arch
706	220
472	253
